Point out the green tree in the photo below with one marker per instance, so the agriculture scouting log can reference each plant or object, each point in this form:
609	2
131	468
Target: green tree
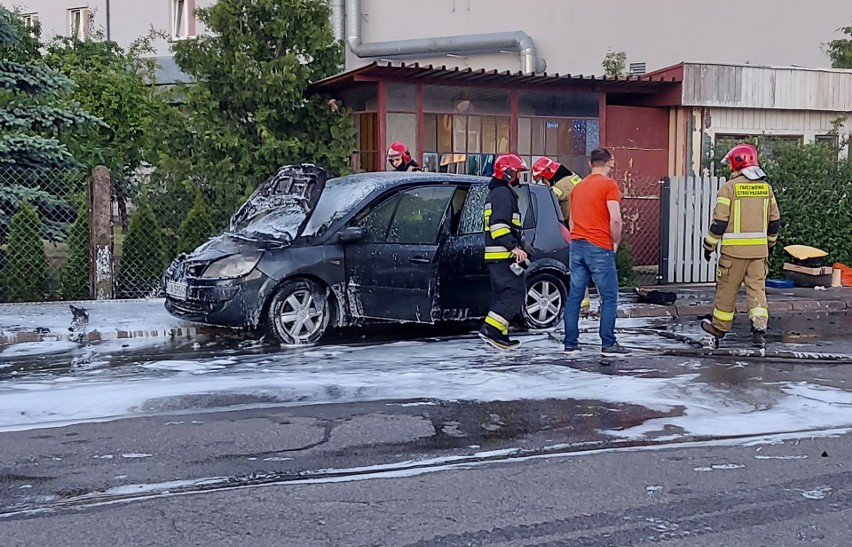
245	114
196	227
115	83
614	63
25	274
840	50
37	119
142	261
34	108
74	280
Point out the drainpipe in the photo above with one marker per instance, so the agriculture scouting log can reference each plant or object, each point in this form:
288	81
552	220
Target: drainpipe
108	37
337	18
421	47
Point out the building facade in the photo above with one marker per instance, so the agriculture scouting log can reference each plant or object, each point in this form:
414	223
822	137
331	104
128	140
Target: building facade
565	37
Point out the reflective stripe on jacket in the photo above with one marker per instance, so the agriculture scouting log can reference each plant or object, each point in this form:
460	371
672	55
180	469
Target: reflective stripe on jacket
502	222
748	207
562	189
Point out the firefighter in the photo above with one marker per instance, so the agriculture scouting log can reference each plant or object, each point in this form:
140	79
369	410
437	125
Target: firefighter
562	181
505	256
745	226
400	158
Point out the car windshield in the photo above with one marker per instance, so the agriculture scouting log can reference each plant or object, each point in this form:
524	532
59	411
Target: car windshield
339	197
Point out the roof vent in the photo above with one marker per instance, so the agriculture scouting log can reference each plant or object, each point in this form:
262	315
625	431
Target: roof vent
637	68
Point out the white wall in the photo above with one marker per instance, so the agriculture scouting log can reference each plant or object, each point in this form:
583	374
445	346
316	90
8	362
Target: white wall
573	35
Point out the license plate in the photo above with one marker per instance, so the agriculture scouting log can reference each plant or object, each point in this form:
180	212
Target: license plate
176	289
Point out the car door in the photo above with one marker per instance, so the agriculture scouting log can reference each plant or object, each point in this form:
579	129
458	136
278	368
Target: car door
392	272
465	284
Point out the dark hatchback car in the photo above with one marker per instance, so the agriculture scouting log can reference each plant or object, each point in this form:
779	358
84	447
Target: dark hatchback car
304	254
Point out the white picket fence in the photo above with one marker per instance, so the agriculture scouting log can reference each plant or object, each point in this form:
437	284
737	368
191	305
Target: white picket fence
687	209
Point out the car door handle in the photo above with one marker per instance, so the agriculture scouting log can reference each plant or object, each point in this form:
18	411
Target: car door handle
419	260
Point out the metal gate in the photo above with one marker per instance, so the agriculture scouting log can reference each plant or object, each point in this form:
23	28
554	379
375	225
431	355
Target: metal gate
687	207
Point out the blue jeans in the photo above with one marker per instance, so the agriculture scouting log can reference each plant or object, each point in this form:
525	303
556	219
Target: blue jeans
590	262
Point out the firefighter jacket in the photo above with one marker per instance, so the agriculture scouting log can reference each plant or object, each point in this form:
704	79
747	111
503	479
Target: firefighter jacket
502	222
563	185
746	219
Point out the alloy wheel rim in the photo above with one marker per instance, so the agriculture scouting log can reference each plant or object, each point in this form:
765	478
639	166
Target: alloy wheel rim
301	315
543	302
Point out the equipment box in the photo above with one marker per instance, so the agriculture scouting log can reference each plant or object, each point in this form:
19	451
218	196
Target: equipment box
802	276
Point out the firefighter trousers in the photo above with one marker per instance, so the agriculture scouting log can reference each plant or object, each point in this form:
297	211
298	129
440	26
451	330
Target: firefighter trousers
507	296
730	274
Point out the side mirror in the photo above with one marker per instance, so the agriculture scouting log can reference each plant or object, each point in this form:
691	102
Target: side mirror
351	234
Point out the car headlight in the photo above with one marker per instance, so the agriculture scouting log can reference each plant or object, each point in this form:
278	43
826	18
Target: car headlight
232	266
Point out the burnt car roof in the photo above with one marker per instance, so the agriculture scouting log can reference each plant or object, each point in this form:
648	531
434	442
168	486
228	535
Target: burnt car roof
384	180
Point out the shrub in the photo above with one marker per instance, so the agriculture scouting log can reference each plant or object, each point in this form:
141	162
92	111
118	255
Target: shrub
814	193
625	266
142	262
196	228
74	279
25	274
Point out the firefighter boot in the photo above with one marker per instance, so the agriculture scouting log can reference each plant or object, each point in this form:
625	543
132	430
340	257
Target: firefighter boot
758	338
496	338
708	327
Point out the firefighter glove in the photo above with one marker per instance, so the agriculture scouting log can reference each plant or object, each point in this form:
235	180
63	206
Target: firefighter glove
708	254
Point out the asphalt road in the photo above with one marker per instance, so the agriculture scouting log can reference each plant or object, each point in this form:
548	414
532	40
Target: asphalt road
427	443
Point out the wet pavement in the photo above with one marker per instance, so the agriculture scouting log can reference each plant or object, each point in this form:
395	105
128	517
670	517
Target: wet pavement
125	421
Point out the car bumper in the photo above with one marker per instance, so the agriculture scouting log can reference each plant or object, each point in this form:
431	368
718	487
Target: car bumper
228	303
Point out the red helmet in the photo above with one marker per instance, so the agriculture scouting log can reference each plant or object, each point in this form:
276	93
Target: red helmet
399	149
545	168
741	156
508	166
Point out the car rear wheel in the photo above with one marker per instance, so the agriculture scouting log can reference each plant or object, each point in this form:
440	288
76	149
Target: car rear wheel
544	302
298	312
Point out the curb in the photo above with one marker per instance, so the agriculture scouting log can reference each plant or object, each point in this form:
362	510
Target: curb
700	309
172	333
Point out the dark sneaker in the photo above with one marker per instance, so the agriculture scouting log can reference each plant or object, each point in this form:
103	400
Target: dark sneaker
616	350
573	350
708	327
500	341
758	339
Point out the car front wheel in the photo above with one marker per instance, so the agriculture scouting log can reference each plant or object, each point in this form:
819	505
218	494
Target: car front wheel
298	312
544	302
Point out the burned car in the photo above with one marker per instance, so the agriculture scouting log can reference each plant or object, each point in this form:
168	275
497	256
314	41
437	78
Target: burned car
305	254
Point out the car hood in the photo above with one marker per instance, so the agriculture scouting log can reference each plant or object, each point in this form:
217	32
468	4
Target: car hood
280	207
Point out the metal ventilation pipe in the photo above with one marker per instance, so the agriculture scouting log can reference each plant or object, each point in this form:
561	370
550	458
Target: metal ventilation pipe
459	45
338	15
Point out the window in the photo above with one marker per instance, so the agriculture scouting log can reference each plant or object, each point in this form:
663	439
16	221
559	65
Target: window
78	23
377	220
29	19
420	215
183	22
411	217
473	217
463	143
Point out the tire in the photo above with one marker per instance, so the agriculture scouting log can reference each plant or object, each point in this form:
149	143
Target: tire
298	313
544	301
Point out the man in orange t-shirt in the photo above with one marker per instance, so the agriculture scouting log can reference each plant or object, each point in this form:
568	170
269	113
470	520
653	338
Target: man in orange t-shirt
595	224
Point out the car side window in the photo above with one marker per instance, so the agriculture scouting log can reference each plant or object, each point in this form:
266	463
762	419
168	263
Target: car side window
472	217
420	215
377	220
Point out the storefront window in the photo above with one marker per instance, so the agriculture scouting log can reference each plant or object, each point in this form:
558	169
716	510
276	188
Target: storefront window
464	143
401	97
468	100
569	141
402	128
